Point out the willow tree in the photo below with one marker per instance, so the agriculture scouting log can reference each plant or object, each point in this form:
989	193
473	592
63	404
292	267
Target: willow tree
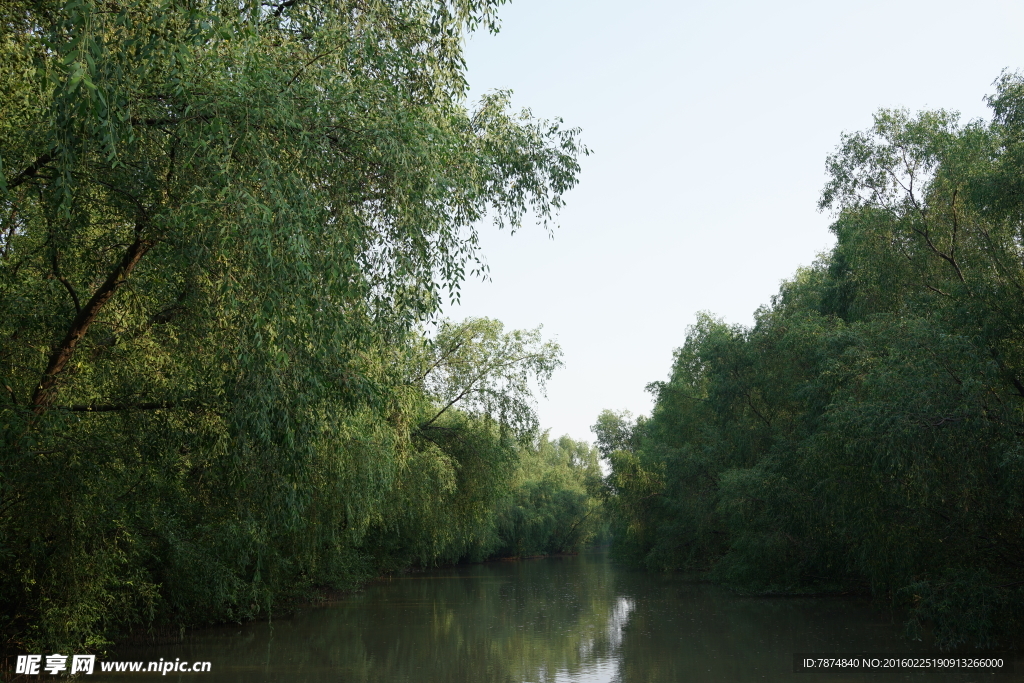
475	413
865	433
219	223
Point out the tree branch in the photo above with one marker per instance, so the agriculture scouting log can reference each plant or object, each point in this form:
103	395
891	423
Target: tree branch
307	64
483	373
31	171
161	317
283	6
445	356
45	391
450	404
948	259
64	281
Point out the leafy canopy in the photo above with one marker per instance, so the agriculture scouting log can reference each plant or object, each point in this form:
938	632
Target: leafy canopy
220	225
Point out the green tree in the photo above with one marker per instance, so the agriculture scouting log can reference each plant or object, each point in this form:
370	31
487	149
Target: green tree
614	431
864	433
484	371
555	504
218	227
475	411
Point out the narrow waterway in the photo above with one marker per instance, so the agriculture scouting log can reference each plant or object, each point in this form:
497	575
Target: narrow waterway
579	619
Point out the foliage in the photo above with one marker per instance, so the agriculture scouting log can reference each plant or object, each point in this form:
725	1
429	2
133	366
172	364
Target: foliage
220	226
864	434
556	505
486	372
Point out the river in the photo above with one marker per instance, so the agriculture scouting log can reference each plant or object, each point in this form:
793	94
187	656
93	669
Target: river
555	620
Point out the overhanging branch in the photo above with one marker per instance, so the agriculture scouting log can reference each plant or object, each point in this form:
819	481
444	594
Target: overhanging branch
31	171
62	353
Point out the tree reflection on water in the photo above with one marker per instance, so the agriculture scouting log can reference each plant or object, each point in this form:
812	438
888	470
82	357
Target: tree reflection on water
556	620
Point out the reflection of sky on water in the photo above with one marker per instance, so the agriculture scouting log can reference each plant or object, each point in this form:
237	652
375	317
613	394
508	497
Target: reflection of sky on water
603	671
617	620
599	667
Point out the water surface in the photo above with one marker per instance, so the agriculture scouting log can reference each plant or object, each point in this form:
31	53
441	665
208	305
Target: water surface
555	620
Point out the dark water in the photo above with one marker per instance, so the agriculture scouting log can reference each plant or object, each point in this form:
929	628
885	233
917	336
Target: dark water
579	619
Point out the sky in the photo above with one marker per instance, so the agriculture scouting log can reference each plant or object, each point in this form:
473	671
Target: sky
710	124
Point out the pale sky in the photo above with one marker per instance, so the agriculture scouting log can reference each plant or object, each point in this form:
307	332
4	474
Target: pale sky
710	124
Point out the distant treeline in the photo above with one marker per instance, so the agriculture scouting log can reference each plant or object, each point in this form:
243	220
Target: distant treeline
867	432
225	230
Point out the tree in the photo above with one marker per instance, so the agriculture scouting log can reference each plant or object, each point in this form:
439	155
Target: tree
484	371
863	434
556	503
614	431
472	416
218	227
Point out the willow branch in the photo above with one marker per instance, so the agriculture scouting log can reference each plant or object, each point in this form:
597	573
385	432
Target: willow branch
45	391
31	171
64	281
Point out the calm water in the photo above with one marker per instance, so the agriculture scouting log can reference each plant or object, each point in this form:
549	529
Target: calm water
568	619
